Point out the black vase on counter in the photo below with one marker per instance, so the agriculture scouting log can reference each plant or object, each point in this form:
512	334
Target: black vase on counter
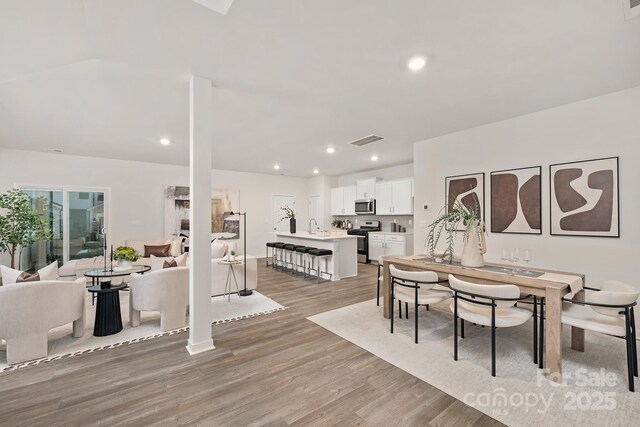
292	226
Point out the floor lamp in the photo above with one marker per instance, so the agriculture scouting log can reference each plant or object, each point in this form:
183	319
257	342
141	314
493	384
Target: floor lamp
244	291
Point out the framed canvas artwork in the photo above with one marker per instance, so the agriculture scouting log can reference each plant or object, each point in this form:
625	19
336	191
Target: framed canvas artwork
468	190
584	198
516	201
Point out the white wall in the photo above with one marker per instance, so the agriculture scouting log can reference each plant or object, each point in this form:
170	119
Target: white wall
136	190
600	127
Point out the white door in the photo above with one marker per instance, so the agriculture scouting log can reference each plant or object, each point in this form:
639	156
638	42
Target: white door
402	200
394	248
376	247
315	212
278	202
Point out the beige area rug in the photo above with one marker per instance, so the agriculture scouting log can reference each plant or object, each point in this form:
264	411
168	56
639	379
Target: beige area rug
62	344
595	394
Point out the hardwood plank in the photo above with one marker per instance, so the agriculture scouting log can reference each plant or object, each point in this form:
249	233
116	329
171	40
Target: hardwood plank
275	370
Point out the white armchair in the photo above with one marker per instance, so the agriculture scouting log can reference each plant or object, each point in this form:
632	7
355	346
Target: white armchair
166	291
29	310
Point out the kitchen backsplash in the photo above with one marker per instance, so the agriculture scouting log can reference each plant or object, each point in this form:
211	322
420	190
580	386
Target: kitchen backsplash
385	221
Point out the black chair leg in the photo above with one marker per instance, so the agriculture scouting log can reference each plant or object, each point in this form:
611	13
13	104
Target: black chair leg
427	307
461	327
493	340
535	330
455	329
406	310
415	314
399	309
378	300
391	310
541	333
628	338
634	345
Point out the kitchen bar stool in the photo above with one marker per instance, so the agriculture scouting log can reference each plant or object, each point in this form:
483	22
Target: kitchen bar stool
279	254
271	245
316	254
289	250
302	253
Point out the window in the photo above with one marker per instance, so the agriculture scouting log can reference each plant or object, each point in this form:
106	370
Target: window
77	221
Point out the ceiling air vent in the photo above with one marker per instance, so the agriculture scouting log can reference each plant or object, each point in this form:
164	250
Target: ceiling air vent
366	140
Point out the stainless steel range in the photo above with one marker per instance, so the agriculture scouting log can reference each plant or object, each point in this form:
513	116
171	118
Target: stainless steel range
363	238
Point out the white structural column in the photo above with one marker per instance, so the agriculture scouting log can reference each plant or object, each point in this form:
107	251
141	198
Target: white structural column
200	215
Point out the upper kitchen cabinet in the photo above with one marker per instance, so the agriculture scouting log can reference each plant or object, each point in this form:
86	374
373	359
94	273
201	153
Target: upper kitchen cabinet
343	201
394	197
366	188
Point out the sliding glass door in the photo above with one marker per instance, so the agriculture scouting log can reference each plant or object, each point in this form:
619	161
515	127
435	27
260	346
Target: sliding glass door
76	219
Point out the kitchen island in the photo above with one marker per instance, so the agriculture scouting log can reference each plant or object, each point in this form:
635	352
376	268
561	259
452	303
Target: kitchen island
343	263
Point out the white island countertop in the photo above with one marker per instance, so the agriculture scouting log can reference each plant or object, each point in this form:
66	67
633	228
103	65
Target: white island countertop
331	235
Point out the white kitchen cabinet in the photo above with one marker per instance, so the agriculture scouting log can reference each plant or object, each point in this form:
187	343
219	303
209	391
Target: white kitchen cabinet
398	244
350	200
343	201
394	197
366	188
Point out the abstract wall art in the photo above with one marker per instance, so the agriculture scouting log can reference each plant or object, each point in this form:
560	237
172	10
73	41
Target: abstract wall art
223	225
584	198
516	201
468	190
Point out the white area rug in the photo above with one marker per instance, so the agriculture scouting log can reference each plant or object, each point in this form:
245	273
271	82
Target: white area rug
62	344
595	395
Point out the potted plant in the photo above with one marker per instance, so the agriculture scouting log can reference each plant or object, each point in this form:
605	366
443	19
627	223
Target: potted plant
125	256
474	235
337	223
20	225
291	216
232	256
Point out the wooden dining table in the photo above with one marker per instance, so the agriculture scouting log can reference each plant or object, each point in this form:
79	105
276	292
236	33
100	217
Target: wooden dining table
533	281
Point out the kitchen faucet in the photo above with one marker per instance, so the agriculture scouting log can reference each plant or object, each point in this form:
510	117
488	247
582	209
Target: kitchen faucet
314	220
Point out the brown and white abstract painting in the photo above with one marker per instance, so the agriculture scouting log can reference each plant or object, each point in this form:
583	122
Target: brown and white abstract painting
584	198
516	201
468	190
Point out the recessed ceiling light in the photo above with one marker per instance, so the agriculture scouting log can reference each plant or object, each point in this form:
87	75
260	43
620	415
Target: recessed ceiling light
165	141
374	158
316	171
276	166
417	63
331	150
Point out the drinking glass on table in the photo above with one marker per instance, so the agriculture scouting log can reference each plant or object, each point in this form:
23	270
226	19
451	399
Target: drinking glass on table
505	257
527	255
516	255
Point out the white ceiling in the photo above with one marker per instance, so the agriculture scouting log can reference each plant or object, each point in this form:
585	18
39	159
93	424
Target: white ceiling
109	78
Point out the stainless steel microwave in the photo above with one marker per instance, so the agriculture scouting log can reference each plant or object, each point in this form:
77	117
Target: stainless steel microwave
366	207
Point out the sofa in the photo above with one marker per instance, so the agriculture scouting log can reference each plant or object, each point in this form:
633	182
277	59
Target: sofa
29	310
76	268
166	291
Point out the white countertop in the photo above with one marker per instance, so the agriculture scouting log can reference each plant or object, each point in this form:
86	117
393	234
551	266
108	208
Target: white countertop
333	235
404	233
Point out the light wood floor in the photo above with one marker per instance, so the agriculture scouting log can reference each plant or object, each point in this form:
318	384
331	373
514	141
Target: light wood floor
279	369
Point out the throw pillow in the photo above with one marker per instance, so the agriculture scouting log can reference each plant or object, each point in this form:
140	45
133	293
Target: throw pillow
170	264
183	259
10	275
176	245
157	250
218	249
157	263
26	277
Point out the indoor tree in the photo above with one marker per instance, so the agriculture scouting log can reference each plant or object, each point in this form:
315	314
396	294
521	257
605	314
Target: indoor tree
20	224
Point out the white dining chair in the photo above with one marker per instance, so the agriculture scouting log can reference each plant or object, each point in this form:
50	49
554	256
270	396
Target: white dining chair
487	305
415	287
608	310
